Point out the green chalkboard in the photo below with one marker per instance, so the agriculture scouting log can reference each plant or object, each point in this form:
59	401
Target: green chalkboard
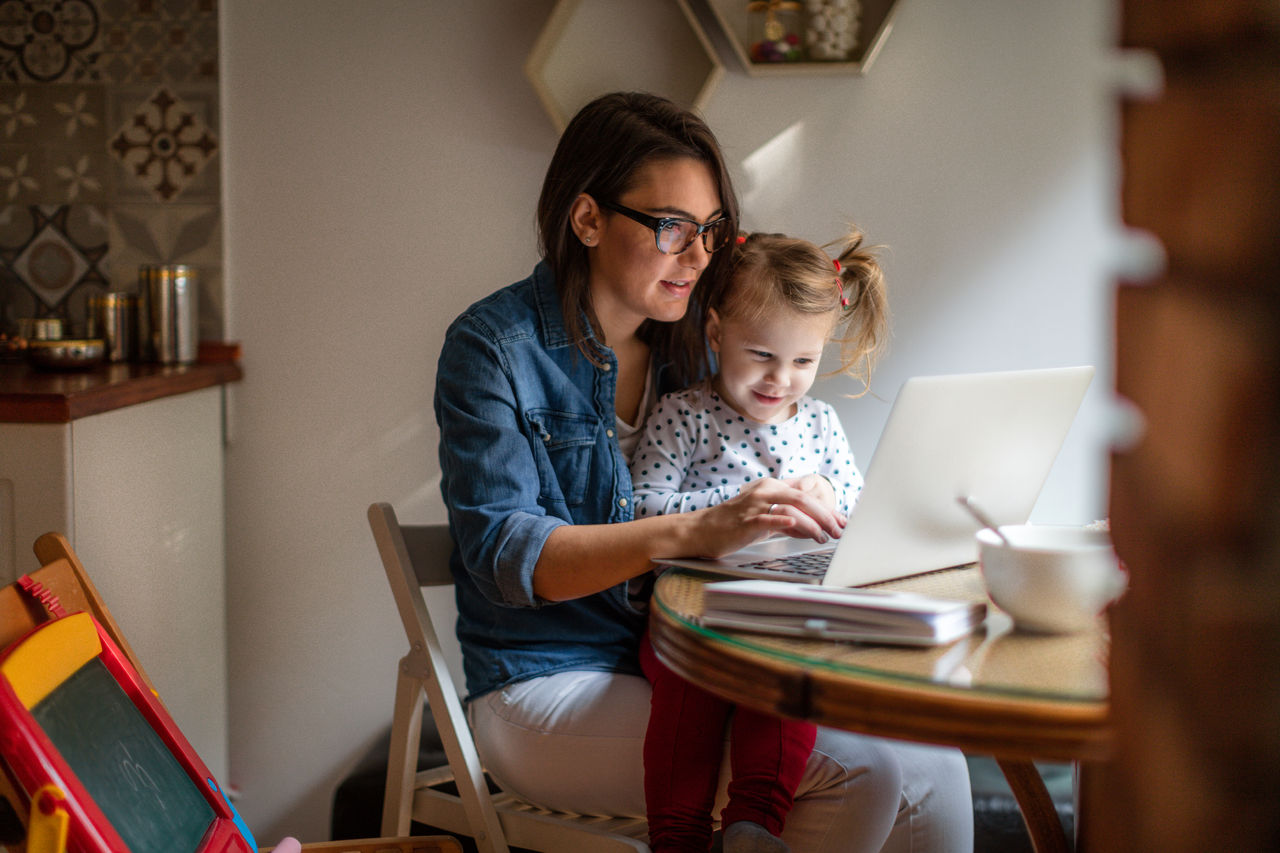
128	770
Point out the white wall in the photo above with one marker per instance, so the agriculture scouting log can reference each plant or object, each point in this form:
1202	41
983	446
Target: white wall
382	161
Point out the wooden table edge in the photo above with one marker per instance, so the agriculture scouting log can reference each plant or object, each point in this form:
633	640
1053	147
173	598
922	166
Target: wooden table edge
1007	726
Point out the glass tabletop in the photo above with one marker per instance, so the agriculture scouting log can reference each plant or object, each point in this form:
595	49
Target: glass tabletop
995	660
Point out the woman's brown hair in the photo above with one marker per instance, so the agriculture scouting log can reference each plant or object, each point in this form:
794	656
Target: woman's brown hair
600	153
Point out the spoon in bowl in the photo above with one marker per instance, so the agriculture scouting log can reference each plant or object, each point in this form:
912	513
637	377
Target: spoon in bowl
971	505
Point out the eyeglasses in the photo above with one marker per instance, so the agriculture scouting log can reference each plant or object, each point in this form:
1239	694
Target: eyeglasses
674	234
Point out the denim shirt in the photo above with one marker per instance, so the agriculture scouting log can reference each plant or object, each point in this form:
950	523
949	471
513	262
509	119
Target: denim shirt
527	444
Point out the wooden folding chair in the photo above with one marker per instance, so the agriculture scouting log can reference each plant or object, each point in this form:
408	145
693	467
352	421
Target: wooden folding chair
415	556
61	581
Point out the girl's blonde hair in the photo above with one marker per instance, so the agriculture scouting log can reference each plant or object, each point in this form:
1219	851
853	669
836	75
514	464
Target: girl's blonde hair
773	271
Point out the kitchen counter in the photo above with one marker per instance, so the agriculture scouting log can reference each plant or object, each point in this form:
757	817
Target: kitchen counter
28	395
127	461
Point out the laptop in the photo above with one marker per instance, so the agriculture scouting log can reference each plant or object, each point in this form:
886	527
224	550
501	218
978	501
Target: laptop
992	437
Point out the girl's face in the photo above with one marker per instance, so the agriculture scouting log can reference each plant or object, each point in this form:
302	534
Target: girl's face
767	366
631	280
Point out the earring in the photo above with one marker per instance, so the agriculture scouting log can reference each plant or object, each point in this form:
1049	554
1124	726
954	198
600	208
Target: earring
589	239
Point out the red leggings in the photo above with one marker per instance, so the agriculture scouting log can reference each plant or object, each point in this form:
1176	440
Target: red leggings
683	747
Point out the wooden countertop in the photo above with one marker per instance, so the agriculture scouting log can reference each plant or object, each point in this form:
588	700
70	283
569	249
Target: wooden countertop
28	395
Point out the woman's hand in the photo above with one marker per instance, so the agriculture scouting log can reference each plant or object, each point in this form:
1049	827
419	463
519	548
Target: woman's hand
761	509
582	559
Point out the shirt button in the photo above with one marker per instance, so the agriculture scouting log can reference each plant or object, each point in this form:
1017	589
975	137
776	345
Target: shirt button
606	367
609	433
546	436
622	501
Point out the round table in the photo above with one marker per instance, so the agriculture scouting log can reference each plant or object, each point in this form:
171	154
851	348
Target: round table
1013	695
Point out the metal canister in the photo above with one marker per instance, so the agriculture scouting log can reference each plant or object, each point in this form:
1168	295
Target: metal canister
114	318
40	328
170	292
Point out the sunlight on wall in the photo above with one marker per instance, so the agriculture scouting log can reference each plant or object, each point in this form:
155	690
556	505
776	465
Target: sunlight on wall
770	169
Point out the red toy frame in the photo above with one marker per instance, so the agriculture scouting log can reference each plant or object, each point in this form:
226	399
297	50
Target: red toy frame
34	762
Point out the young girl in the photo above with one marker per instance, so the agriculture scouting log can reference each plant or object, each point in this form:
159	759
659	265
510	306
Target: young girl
751	423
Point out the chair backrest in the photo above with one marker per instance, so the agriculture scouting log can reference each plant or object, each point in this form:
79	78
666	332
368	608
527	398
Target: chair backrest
414	556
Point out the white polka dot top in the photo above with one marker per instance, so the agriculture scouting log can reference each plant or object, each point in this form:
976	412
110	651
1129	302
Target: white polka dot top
697	452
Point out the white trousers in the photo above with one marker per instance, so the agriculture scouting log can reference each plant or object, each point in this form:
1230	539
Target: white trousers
573	742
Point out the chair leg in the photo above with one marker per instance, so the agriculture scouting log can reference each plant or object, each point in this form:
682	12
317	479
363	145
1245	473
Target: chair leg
406	730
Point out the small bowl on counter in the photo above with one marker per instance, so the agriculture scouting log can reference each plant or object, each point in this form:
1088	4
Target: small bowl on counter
68	354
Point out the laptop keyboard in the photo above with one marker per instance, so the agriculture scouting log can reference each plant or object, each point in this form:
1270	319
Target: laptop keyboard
812	565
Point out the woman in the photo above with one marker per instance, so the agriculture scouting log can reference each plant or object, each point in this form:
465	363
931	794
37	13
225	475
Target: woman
541	390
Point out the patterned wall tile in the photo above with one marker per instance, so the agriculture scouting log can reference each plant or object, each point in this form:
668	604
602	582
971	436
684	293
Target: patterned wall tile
174	234
164	144
154	41
52	253
17	121
52	145
109	121
48	41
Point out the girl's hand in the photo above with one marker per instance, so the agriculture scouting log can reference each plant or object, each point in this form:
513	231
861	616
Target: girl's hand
762	509
817	487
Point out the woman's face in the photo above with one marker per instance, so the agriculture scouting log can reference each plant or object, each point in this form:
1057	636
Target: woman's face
631	280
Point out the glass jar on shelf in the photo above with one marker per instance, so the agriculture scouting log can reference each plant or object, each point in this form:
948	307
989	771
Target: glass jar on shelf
831	29
775	31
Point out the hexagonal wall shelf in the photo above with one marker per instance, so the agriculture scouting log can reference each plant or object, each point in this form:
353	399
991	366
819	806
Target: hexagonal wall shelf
874	19
590	47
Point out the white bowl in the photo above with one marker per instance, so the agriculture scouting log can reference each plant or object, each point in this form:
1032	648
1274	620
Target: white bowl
1051	579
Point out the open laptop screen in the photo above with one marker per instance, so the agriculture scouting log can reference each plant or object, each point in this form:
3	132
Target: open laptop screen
992	436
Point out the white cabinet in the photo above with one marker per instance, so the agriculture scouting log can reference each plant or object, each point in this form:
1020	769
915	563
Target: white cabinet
138	491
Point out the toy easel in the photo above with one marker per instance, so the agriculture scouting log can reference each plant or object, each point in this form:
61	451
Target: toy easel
73	696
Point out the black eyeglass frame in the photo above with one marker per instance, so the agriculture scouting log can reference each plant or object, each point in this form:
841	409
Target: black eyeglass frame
658	223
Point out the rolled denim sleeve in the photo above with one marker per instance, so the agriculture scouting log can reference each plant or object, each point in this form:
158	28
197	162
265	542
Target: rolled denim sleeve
490	477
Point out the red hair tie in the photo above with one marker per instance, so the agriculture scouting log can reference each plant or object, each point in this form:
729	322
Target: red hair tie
844	300
742	238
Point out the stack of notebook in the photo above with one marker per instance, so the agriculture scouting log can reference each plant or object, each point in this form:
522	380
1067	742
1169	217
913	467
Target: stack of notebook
839	613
